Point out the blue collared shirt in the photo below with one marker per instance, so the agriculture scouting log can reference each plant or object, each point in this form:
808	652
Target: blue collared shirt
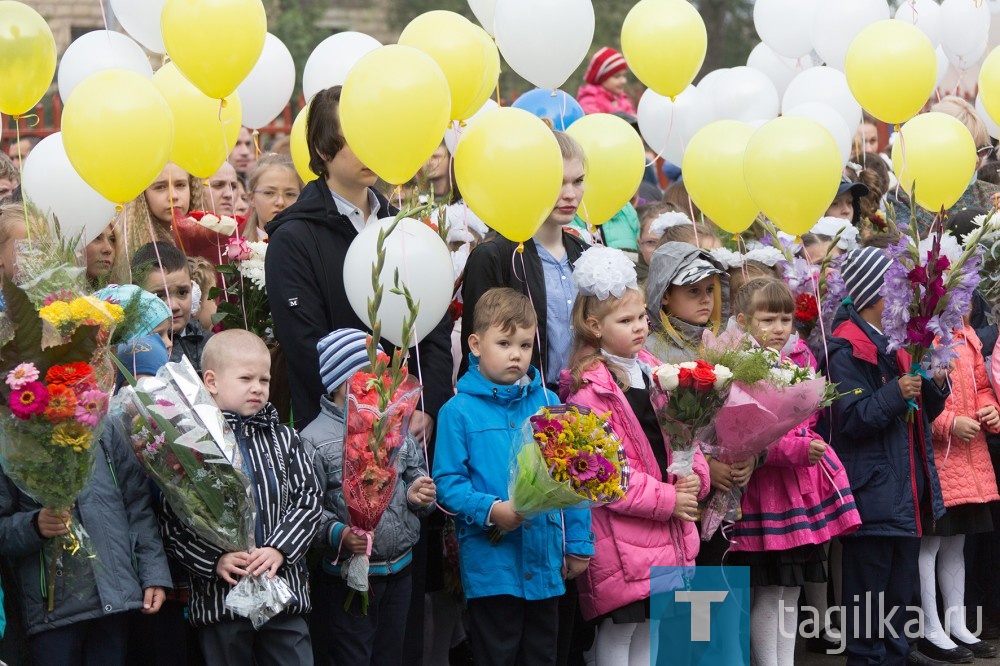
560	292
353	213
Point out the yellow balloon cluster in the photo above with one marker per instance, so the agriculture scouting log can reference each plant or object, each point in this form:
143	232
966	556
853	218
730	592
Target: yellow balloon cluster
117	129
664	43
989	84
510	169
934	160
215	43
714	174
203	133
27	57
300	147
792	168
394	110
615	164
464	52
891	69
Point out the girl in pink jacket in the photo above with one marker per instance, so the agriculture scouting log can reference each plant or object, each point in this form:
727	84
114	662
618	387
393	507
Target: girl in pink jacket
604	84
968	483
653	525
796	502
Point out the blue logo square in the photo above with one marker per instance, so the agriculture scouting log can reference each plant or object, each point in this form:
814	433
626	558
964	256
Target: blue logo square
700	616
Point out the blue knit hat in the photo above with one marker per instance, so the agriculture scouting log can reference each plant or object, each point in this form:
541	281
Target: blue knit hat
142	356
863	271
151	310
341	354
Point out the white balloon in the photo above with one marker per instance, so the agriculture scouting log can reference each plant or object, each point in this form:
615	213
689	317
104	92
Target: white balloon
95	52
49	181
991	125
965	24
786	25
745	94
333	58
964	62
268	87
826	85
925	15
485	11
453	135
141	19
544	42
838	23
942	65
709	80
778	68
668	126
424	265
827	116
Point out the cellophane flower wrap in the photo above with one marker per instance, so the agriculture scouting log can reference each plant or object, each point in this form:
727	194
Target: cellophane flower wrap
568	456
769	396
818	290
686	397
57	376
243	298
182	440
927	290
375	435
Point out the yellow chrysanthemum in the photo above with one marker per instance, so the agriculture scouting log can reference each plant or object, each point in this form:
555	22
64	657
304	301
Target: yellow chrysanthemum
72	434
58	314
117	312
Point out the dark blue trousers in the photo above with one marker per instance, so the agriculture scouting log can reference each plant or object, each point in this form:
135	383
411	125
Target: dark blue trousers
880	580
98	642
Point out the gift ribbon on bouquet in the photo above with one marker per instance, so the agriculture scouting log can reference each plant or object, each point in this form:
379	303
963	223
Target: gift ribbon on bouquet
356	531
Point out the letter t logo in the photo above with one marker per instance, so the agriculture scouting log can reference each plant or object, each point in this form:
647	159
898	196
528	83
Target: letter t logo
701	611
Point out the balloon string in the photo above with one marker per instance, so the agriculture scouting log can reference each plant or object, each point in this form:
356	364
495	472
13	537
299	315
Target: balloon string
256	143
104	18
20	173
527	290
670	129
820	322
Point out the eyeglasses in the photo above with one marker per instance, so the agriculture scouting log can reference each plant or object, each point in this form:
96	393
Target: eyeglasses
272	195
984	151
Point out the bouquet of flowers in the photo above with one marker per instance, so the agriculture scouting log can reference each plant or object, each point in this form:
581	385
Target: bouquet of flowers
206	235
243	300
927	290
686	397
54	397
186	447
379	405
770	397
818	291
569	456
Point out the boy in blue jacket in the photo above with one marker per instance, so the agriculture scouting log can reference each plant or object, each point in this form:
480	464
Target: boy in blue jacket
512	587
889	461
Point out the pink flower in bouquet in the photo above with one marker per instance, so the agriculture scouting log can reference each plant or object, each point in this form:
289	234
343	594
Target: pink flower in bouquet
91	407
21	375
584	466
238	249
30	399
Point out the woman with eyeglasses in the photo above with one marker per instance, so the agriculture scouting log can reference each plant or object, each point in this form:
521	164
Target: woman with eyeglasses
979	193
274	186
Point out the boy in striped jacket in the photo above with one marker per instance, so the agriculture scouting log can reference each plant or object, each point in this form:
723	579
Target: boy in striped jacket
237	370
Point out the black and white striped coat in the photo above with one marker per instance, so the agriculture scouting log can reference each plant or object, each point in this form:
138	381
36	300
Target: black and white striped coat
288	500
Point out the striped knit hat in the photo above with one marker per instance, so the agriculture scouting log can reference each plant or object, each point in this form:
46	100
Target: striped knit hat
341	354
863	270
606	63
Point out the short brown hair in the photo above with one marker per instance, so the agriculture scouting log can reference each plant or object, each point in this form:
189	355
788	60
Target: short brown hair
324	135
503	308
766	294
7	169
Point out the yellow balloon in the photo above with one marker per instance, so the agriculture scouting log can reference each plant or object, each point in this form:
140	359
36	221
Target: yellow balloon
792	169
891	68
989	84
714	174
214	43
510	169
117	129
935	156
664	43
394	110
300	147
457	46
616	161
202	139
27	58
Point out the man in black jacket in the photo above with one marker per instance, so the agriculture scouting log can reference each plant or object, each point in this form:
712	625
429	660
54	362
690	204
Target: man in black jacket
305	269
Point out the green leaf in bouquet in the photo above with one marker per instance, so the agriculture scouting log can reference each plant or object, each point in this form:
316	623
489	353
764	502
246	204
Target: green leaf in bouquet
27	326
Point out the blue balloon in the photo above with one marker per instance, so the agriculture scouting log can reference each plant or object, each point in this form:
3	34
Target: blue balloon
558	107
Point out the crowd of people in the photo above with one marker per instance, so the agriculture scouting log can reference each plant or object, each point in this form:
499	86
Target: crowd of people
858	500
